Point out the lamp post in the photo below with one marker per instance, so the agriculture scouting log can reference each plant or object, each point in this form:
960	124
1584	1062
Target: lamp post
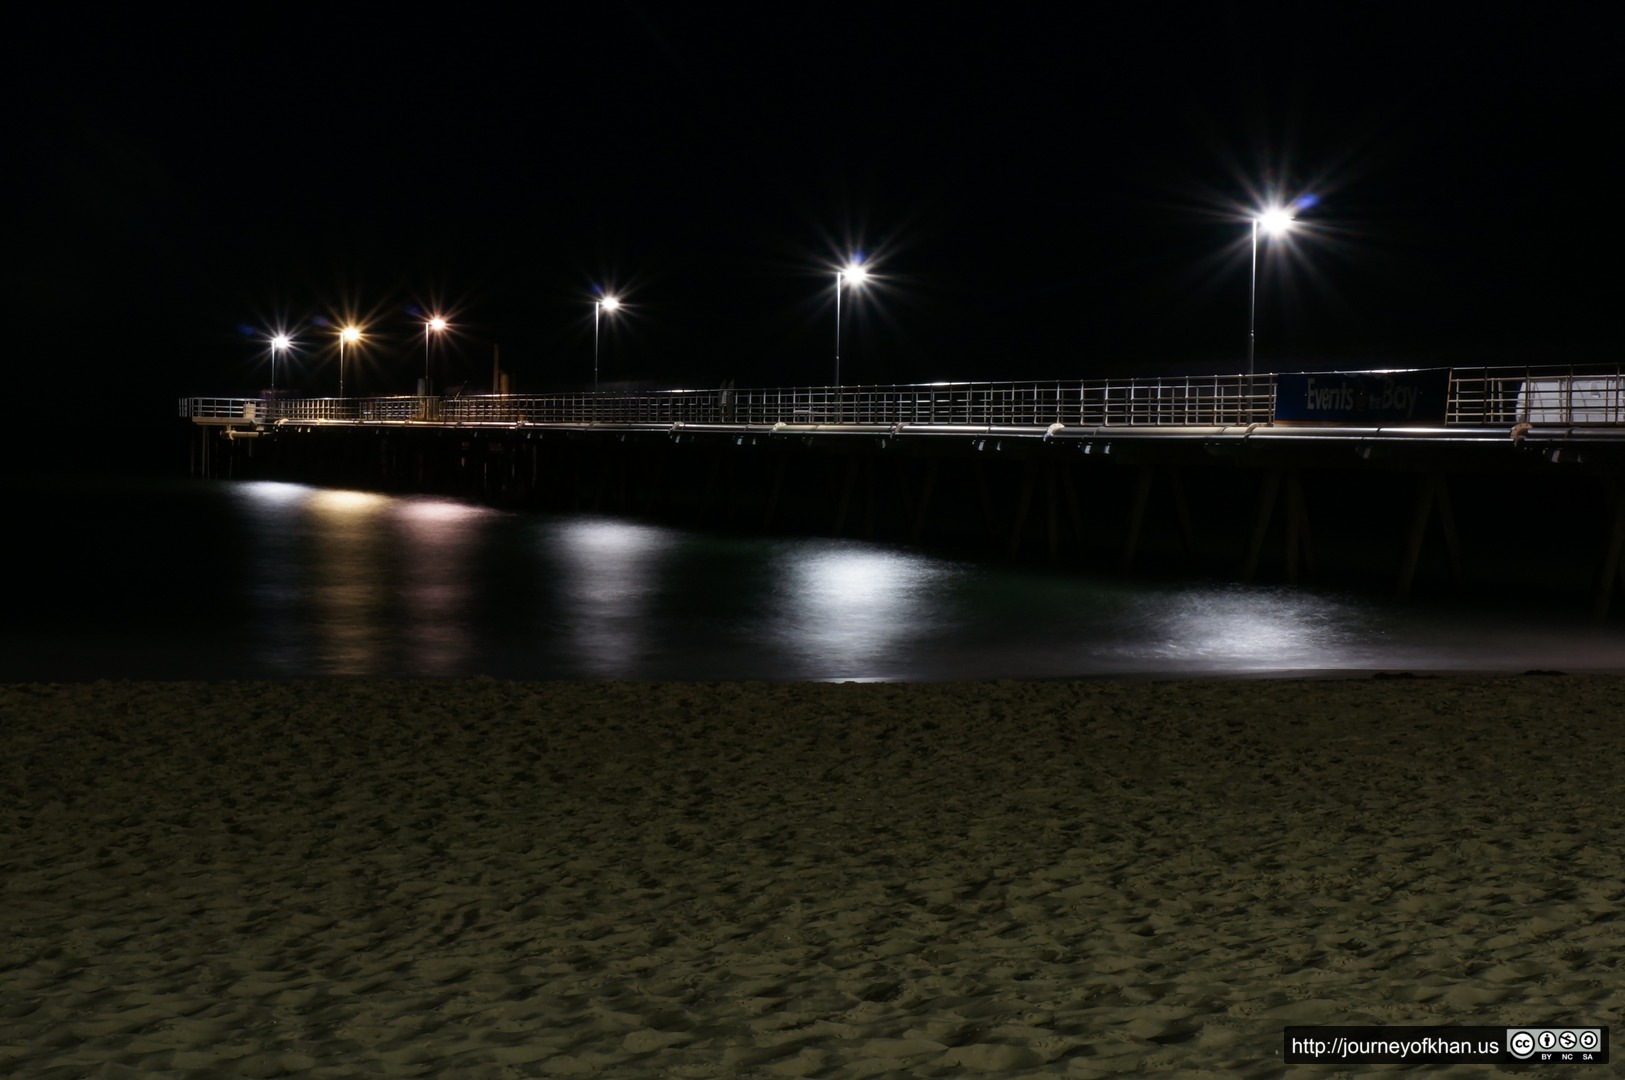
1272	222
438	325
348	336
279	343
853	273
607	305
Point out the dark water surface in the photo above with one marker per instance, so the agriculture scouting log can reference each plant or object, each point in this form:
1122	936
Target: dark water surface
182	579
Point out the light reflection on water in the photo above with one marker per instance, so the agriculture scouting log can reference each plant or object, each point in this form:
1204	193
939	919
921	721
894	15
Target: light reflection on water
854	610
609	574
438	540
1256	629
286	581
356	583
349	587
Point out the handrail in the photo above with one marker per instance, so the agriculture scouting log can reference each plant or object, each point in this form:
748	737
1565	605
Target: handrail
1572	395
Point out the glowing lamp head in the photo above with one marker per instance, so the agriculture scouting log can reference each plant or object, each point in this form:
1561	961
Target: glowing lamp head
1274	221
350	334
437	324
610	303
854	273
282	343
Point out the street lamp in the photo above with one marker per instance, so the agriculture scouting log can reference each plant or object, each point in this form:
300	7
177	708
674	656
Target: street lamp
607	305
1272	222
853	273
437	325
348	336
279	343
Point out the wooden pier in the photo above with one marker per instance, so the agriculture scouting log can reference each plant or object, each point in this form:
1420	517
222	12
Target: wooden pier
1480	479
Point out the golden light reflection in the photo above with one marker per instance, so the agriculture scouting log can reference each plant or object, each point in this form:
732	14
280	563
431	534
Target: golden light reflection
339	504
351	586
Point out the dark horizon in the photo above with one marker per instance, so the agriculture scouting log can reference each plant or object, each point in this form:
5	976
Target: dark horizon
1041	200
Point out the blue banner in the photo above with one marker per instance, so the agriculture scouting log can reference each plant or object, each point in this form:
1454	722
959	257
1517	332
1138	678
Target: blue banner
1366	398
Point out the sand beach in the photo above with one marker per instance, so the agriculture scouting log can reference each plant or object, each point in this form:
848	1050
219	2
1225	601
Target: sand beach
1081	879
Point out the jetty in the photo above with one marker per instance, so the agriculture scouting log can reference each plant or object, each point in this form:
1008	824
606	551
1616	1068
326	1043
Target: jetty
1456	473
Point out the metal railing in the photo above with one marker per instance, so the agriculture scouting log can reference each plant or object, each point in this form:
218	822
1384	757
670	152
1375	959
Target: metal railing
1566	395
1209	400
1477	397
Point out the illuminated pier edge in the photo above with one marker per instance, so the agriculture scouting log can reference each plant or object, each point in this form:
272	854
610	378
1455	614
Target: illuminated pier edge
1441	398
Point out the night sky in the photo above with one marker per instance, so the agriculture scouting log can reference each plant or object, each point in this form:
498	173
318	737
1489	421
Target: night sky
1042	194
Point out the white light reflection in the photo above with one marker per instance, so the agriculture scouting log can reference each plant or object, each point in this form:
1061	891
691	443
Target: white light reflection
351	580
1255	630
439	539
846	612
272	494
610	576
273	570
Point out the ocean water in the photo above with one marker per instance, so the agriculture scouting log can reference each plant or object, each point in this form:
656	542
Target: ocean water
193	579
